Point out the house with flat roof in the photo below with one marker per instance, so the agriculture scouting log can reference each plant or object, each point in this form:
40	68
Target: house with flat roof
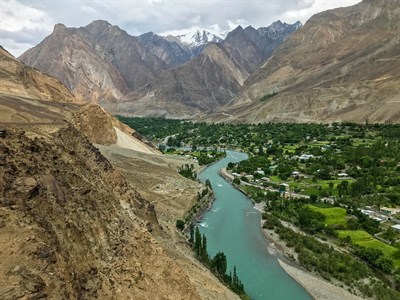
389	211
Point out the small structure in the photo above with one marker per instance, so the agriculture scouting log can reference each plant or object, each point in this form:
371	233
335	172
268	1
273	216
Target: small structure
284	187
343	175
295	173
367	212
379	219
396	227
306	156
260	172
330	200
389	211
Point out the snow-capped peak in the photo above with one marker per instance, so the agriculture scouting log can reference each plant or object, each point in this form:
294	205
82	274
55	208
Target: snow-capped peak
198	37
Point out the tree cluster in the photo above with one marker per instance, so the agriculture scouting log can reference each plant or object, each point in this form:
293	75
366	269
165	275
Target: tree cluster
218	264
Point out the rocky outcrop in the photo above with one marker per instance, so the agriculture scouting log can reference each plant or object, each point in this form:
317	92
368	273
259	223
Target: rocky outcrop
343	65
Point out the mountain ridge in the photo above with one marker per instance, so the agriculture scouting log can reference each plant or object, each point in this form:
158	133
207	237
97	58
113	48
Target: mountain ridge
341	65
96	61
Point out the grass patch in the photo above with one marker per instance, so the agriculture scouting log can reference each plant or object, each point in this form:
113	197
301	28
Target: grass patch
275	179
254	193
333	215
323	205
364	239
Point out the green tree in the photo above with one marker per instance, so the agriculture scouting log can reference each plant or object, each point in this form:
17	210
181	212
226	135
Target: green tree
180	224
204	253
197	242
219	264
342	188
208	183
191	234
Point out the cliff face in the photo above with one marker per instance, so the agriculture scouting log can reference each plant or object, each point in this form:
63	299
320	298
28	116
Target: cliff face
343	65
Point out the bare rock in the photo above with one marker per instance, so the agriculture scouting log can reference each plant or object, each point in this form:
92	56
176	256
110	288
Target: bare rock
32	282
26	187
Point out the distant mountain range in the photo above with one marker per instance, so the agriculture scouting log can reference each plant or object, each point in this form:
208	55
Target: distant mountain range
342	65
182	76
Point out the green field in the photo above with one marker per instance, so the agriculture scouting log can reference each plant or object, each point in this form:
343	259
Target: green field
364	239
333	215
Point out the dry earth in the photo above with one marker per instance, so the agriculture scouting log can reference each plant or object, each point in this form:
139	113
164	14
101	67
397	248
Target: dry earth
157	179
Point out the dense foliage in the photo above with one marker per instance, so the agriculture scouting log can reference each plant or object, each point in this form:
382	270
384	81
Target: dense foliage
218	264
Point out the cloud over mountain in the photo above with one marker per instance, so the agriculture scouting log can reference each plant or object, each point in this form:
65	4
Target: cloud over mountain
23	24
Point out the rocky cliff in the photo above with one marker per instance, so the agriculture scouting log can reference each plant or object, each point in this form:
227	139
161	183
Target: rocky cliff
343	65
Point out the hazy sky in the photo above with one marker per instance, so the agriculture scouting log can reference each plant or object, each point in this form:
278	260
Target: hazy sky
24	23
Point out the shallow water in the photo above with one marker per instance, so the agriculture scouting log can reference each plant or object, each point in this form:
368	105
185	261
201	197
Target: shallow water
232	225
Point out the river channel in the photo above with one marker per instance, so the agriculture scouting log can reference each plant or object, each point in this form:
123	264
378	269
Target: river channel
232	225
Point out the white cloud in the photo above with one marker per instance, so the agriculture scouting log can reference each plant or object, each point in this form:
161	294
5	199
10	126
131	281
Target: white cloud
16	16
37	18
313	7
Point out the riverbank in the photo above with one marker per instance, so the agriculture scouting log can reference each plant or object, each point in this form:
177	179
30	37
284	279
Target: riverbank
317	287
260	272
229	178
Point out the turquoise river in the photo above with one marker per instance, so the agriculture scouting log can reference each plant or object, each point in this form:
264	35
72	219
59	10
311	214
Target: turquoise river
232	225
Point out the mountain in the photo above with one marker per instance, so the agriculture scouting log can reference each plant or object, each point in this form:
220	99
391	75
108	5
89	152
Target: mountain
74	226
95	62
343	65
184	76
209	81
171	52
268	38
19	80
196	40
204	84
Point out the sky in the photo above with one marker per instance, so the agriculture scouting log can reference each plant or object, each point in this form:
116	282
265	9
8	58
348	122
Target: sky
25	23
